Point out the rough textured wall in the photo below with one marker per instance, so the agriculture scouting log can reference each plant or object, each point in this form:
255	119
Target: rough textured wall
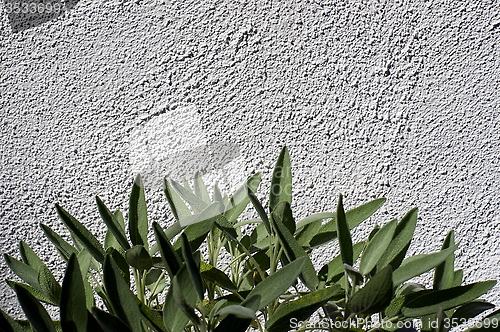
373	99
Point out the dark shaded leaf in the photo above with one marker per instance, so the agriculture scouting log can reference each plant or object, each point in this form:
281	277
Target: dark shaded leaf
235	324
169	256
375	296
444	273
73	301
23	271
64	248
281	183
216	276
122	264
181	301
193	268
260	210
112	223
7	324
37	293
108	322
138	257
35	312
138	215
239	201
49	284
471	310
29	257
344	234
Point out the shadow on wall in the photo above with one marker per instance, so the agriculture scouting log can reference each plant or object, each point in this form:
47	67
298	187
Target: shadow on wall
26	14
172	144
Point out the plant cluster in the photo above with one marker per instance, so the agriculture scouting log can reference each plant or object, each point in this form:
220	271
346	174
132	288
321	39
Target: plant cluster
268	284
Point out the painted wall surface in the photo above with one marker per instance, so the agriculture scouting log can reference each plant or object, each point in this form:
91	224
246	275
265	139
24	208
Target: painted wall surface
394	99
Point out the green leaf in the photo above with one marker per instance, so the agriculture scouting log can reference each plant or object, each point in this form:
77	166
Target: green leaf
108	322
35	312
471	310
305	234
196	233
216	276
173	317
73	300
138	215
193	268
281	183
292	248
113	224
82	234
152	317
446	299
138	257
36	292
375	296
400	241
239	201
120	297
64	248
121	263
200	189
416	265
186	308
169	256
376	247
49	284
394	308
237	324
23	271
354	217
276	284
177	206
444	273
218	195
490	323
260	210
345	241
302	308
196	203
458	277
238	311
315	217
8	324
335	269
29	257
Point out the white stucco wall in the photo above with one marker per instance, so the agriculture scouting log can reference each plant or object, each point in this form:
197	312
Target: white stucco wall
393	99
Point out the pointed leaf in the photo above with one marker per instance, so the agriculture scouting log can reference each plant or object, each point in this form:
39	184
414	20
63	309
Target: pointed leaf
35	312
23	271
120	297
216	276
152	317
490	323
73	300
345	241
196	203
376	247
169	256
236	324
113	225
196	233
239	201
260	210
446	299
276	284
29	257
36	292
315	217
138	257
416	265
187	309
177	206
281	183
332	271
193	268
401	239
121	263
64	248
108	322
292	248
200	189
375	296
8	324
471	310
238	311
302	308
138	215
444	273
82	234
49	284
458	277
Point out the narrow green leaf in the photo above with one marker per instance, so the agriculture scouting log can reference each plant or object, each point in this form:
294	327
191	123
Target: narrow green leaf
239	201
237	324
120	297
238	311
152	317
216	276
210	212
281	183
35	312
292	248
200	189
260	210
375	296
446	299
73	300
138	215
354	217
196	233
64	248
121	263
138	257
193	268
218	196
29	257
173	317
471	310
169	256
332	271
8	324
113	225
458	277
315	217
82	234
276	284
376	247
49	284
401	239
345	241
302	308
444	273
23	271
418	264
196	203
490	323
285	212
397	303
108	322
36	292
305	234
177	206
187	309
